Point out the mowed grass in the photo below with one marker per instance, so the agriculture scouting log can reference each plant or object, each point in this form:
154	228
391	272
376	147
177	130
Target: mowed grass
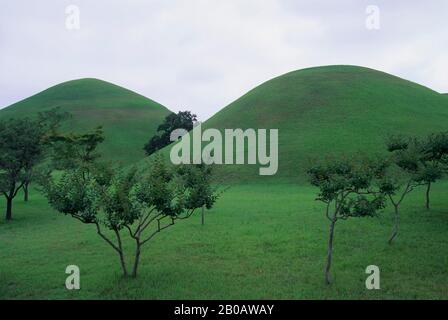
259	242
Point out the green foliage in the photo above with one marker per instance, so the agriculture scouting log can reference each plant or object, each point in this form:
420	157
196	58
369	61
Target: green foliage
421	160
143	203
436	147
70	151
74	194
181	120
21	149
350	184
396	142
348	188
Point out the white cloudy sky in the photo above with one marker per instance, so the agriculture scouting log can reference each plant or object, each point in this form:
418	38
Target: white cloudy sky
202	54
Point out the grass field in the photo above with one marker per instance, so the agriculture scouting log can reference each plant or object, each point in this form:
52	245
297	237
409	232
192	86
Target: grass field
259	242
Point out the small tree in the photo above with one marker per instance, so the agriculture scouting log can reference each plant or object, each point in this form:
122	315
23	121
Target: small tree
424	159
347	189
46	126
434	159
201	176
140	203
405	173
181	120
20	150
73	150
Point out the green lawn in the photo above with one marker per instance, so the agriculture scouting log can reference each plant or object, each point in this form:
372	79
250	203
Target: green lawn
259	242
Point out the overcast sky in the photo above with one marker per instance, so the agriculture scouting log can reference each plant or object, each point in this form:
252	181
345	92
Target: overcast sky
201	55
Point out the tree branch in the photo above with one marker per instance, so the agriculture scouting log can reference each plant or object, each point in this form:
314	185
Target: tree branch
17	190
158	229
144	224
105	238
188	215
130	231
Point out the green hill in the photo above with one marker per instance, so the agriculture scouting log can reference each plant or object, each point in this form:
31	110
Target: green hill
128	118
329	110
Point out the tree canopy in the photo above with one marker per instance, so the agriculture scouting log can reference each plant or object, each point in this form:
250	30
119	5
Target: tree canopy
182	120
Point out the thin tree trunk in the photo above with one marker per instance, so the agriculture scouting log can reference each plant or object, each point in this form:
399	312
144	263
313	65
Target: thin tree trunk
121	254
8	208
428	190
203	215
25	191
330	253
396	224
136	261
123	264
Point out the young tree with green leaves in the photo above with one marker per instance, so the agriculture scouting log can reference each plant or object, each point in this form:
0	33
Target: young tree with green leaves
435	161
202	177
425	159
75	150
140	203
20	150
347	188
46	126
405	173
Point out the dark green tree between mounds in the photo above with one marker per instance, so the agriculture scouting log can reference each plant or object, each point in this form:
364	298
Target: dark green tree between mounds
347	187
139	203
182	120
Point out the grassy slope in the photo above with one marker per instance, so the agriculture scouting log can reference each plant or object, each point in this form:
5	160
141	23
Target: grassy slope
259	242
331	109
129	119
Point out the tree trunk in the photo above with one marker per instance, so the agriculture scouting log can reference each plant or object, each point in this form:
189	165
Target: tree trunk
203	215
123	264
330	253
396	224
25	191
8	208
428	190
136	261
121	254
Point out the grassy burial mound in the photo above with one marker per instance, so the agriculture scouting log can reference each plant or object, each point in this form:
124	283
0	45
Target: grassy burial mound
128	118
330	109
